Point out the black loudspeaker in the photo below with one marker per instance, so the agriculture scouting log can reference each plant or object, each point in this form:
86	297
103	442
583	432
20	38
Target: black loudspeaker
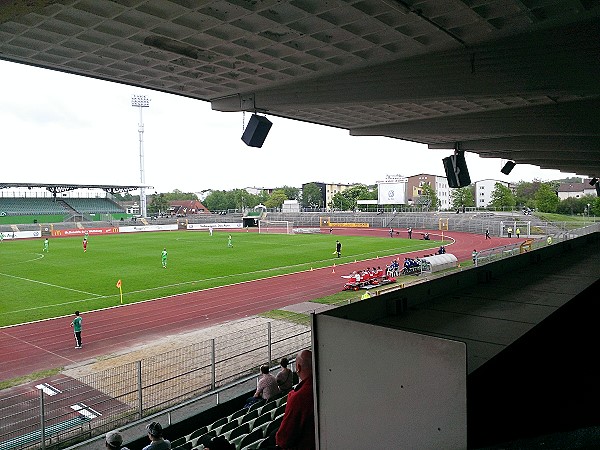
456	170
508	167
593	181
256	131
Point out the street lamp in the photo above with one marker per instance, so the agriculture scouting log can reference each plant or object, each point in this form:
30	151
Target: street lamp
141	101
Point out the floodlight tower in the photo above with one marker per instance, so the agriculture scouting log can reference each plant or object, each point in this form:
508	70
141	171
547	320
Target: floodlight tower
141	101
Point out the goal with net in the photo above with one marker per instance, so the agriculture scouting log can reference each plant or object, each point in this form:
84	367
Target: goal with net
275	226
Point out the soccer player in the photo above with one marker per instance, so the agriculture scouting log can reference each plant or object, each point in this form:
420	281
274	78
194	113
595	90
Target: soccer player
84	245
210	230
1	237
46	244
229	244
164	258
338	248
76	324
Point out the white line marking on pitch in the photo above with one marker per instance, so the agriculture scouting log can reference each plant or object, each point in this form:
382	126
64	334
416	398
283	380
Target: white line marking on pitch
49	284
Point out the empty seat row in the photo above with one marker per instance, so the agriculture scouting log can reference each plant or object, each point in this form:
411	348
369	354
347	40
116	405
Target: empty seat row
245	428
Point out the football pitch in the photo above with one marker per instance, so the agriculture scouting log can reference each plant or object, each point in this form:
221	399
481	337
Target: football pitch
37	285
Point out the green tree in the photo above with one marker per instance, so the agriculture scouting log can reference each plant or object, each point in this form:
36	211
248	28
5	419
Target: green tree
242	199
570	206
546	199
371	194
125	197
158	204
312	196
276	199
502	197
291	193
595	207
219	201
525	193
179	195
346	200
461	197
428	197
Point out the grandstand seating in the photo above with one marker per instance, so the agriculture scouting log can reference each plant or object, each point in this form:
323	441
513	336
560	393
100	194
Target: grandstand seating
93	205
19	206
246	428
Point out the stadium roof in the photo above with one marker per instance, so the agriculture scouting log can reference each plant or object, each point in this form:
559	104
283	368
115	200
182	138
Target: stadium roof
56	188
508	79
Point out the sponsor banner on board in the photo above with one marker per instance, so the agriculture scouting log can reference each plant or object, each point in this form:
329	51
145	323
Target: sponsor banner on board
82	232
215	226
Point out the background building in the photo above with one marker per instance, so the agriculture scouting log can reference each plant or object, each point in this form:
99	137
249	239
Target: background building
439	184
575	190
483	191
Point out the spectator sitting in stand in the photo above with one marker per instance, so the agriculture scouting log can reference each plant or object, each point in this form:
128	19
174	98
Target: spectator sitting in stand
285	378
114	441
155	434
266	388
297	430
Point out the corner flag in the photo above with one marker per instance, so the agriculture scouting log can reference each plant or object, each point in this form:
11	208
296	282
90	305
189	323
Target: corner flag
120	290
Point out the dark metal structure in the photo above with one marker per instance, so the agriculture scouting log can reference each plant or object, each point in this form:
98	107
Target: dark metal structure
60	188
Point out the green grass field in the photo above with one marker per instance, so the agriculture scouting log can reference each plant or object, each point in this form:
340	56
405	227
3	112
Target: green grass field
35	285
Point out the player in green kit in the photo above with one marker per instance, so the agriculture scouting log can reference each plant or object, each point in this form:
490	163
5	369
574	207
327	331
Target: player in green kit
164	258
76	324
46	244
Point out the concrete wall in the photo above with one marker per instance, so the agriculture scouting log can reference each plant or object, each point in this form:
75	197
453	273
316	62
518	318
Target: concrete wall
383	388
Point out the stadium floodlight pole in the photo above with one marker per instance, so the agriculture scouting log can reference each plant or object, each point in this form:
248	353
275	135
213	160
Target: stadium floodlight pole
141	101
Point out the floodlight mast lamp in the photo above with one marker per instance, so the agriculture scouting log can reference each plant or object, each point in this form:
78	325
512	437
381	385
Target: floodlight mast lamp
141	101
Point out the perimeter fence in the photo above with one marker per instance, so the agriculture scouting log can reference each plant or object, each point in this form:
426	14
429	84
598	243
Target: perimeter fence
560	235
67	409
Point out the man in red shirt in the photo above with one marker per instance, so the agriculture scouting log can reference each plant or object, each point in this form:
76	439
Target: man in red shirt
297	430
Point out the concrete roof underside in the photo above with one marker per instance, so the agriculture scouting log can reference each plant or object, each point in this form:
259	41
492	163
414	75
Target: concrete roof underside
511	79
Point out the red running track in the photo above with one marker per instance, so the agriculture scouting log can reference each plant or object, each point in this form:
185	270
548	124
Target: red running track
50	343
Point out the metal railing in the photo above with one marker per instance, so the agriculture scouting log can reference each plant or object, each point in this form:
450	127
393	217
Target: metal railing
561	234
68	409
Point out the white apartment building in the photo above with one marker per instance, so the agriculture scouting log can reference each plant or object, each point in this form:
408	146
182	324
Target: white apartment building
442	191
483	191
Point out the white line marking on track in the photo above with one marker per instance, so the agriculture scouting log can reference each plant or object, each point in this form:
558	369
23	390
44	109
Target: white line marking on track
40	348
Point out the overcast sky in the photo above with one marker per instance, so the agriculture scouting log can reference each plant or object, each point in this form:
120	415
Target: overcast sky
59	128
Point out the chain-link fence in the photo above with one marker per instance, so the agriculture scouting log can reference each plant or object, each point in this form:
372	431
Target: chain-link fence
68	409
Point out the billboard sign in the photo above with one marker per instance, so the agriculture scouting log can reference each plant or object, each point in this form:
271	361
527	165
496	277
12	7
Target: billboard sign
391	193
